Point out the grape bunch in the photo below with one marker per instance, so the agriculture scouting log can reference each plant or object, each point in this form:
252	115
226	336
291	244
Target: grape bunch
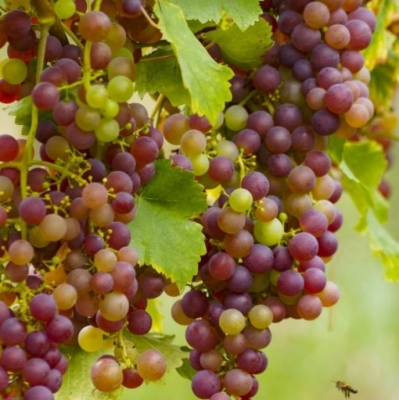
270	228
70	276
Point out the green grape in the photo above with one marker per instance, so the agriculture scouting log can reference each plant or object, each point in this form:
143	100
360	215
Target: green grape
236	117
193	143
231	321
268	233
97	96
219	121
123	52
200	164
90	338
14	71
260	316
107	130
240	200
273	276
120	89
87	118
65	9
110	110
227	149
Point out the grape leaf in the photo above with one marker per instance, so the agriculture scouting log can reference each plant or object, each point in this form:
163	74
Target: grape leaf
162	75
186	370
22	110
172	353
157	317
243	12
383	77
205	80
384	245
382	40
76	383
162	231
243	48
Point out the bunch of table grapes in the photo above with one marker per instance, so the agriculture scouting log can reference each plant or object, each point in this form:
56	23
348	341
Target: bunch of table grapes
270	230
69	275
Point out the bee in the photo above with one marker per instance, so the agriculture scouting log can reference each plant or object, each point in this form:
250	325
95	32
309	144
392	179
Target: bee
345	388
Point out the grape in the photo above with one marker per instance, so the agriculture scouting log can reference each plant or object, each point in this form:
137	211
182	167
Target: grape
65	9
303	246
16	23
43	307
37	344
194	303
238	245
90	338
151	365
139	322
94	26
236	117
268	233
106	375
114	306
13	359
231	321
205	384
201	335
36	371
59	329
305	38
316	15
288	20
266	80
309	307
237	382
39	392
21	252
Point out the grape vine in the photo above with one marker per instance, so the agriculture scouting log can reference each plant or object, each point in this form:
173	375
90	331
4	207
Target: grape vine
223	197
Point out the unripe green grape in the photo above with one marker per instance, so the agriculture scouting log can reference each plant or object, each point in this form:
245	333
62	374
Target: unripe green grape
231	321
107	130
260	316
90	338
268	233
65	9
110	110
273	276
200	164
227	149
87	118
193	143
14	71
240	200
236	117
97	96
120	89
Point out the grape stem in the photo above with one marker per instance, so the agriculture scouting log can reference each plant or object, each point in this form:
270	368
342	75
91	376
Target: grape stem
157	109
148	18
72	36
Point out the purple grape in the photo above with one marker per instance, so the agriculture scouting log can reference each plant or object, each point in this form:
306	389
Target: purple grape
12	332
139	322
205	384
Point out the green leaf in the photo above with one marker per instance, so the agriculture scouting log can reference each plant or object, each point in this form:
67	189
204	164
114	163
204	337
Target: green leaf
22	110
382	40
157	317
366	161
243	48
186	370
243	12
361	181
200	72
335	148
162	75
162	231
382	84
76	383
384	246
172	353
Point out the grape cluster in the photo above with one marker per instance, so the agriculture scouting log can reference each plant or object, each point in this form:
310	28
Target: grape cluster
70	275
270	229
